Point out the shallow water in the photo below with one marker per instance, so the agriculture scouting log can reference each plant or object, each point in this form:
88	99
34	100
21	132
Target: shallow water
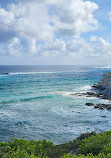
36	102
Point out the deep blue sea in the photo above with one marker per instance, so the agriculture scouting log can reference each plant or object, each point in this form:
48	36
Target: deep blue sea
36	102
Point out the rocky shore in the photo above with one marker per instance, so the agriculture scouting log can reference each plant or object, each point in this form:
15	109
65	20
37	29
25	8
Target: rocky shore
104	86
91	94
100	90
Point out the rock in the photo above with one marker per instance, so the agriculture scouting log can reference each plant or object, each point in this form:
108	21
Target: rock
89	104
104	86
95	107
103	116
99	106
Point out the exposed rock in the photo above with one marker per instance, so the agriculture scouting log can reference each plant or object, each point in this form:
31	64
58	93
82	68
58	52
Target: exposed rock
99	106
103	116
91	94
89	104
104	86
101	90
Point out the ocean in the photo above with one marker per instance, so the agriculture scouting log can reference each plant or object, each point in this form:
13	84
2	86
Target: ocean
36	102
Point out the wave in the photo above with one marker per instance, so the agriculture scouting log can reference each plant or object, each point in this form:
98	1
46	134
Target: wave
73	95
26	99
79	90
39	72
104	67
29	73
64	93
25	73
85	88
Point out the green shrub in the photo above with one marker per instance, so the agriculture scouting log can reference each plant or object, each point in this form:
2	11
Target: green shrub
89	145
95	144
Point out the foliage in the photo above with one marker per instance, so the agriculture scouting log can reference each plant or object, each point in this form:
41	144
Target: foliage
96	144
88	145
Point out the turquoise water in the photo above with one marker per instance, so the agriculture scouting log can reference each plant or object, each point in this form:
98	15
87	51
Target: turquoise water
36	102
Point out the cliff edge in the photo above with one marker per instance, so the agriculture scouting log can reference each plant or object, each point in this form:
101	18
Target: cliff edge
104	86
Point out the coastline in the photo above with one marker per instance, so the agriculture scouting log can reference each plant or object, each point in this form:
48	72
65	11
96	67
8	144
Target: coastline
101	90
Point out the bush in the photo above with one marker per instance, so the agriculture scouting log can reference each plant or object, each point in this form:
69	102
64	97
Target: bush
89	145
95	144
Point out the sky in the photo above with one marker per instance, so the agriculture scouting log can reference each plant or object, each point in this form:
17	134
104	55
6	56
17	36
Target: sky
55	32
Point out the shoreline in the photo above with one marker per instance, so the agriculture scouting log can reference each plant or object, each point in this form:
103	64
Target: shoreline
100	90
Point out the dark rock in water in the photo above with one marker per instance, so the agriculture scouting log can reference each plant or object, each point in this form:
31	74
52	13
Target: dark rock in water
99	106
91	94
103	116
89	104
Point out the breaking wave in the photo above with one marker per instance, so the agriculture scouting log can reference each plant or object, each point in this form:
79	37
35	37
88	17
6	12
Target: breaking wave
104	67
85	88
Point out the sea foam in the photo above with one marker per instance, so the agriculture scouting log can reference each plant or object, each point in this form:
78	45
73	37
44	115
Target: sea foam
104	67
29	73
85	88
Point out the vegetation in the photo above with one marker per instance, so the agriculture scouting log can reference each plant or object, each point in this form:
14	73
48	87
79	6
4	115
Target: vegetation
89	145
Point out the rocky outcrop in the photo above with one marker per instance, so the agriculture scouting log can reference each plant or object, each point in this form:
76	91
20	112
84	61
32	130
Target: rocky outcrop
104	86
91	94
101	90
100	106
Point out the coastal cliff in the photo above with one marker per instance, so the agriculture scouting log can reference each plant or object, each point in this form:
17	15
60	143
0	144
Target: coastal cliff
104	86
100	90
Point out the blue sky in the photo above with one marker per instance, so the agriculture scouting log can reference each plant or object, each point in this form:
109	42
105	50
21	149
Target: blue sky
47	32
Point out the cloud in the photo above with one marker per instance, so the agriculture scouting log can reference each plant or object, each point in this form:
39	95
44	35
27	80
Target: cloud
32	18
45	18
71	18
14	47
100	47
52	20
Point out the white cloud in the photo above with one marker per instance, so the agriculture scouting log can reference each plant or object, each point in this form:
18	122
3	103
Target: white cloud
51	20
100	47
32	18
69	18
14	46
74	17
6	16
